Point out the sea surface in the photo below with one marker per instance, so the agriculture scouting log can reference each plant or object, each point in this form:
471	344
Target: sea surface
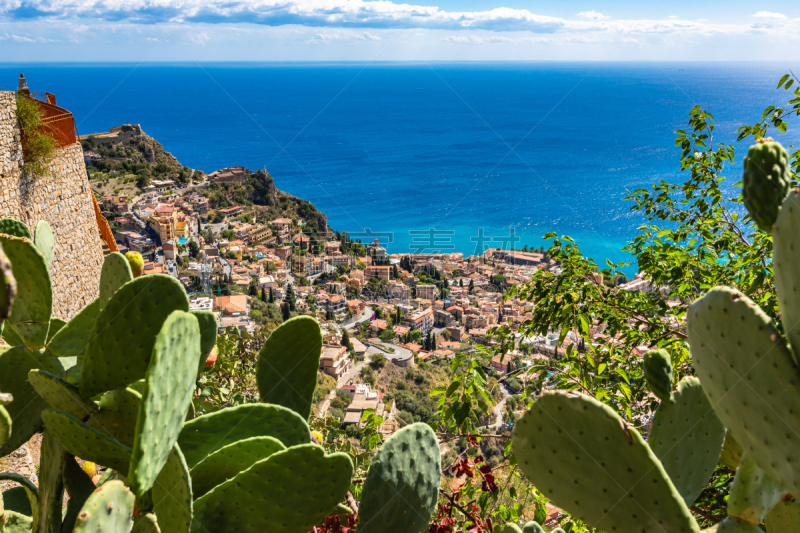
431	156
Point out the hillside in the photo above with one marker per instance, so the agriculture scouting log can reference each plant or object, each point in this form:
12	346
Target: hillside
259	189
125	160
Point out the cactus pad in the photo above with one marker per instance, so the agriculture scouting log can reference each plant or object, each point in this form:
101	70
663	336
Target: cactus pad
658	373
753	493
8	288
228	461
15	228
79	486
687	438
145	523
44	241
51	483
784	517
580	454
5	419
26	407
731	454
286	370
145	302
23	499
208	433
33	305
117	415
731	525
72	339
11	522
56	325
109	509
272	496
511	528
16	499
116	272
60	394
785	258
169	385
208	334
766	181
172	495
750	378
402	485
532	527
86	442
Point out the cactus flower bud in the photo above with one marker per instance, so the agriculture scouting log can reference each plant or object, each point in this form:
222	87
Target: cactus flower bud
658	373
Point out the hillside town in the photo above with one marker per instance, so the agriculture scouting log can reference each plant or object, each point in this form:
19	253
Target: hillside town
253	270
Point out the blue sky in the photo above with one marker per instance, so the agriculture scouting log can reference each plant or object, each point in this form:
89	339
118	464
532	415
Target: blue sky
386	30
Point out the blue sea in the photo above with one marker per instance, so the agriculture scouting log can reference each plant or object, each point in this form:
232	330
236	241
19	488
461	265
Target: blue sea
431	156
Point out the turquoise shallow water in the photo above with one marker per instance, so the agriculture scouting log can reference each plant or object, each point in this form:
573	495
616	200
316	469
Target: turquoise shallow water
430	156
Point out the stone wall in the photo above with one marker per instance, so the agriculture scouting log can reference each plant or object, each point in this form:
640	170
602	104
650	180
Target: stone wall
62	197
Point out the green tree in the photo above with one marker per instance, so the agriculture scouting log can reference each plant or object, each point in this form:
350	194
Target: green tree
346	339
194	249
289	297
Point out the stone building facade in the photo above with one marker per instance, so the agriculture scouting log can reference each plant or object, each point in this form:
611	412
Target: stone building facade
63	198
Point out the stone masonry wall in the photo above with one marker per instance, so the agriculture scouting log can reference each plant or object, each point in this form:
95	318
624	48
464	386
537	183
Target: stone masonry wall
62	197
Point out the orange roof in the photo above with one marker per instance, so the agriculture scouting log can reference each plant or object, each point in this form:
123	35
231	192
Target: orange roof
232	304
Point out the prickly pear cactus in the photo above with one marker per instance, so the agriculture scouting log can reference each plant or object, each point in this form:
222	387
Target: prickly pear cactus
23	499
784	517
286	370
687	438
116	272
766	181
580	454
658	373
33	305
208	333
73	338
146	302
60	394
51	483
511	528
285	502
229	460
86	442
206	434
745	367
117	415
44	241
8	288
79	486
532	527
402	485
167	395
26	407
785	258
172	494
109	509
753	493
15	228
5	418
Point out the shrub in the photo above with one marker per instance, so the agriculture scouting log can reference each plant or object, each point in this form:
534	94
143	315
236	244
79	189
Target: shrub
38	148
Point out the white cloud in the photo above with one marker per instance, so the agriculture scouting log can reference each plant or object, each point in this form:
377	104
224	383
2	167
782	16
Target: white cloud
593	15
770	15
22	38
200	39
320	38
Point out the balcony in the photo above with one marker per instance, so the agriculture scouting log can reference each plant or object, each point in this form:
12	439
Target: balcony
57	122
